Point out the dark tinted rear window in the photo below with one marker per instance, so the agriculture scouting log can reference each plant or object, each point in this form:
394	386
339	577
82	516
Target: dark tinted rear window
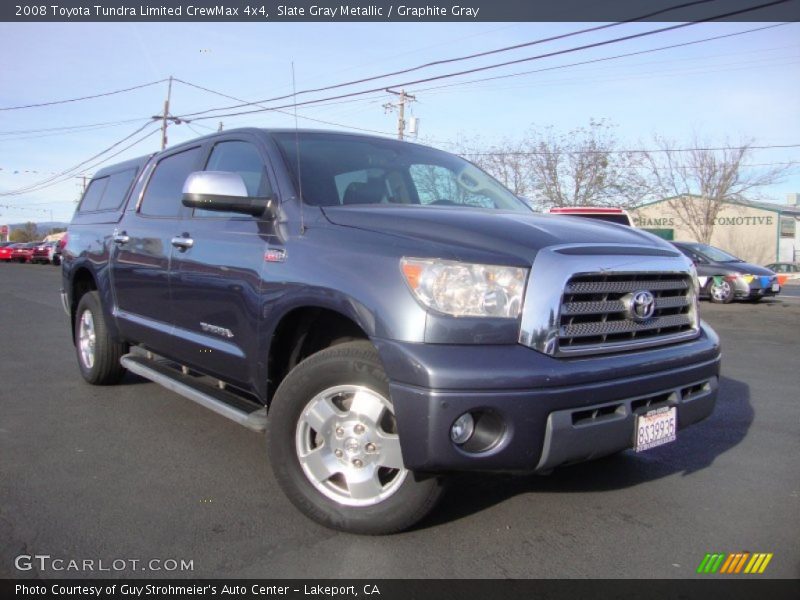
93	194
108	193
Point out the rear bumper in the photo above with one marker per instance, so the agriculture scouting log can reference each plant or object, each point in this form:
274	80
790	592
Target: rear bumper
577	410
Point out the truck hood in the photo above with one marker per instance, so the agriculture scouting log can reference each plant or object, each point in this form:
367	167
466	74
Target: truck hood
488	231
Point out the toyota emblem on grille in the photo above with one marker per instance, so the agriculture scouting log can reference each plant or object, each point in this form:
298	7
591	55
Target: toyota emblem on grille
642	305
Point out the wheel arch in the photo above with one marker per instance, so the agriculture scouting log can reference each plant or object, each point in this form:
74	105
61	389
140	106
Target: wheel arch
82	281
303	330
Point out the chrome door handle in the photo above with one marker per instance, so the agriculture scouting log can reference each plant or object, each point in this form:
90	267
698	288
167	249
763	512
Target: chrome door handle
121	238
183	243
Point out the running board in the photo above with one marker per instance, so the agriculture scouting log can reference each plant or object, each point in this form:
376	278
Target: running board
220	401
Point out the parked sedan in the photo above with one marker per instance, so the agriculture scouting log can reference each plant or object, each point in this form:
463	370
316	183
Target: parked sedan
5	251
724	277
23	252
46	253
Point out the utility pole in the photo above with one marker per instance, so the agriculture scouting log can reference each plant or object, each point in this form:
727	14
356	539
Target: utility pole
401	109
165	118
166	115
220	126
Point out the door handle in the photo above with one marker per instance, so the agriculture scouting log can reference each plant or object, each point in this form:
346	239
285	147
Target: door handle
182	243
121	238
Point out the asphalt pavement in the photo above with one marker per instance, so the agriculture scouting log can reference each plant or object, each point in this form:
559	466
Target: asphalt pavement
136	473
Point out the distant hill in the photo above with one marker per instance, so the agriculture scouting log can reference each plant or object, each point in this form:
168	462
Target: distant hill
43	227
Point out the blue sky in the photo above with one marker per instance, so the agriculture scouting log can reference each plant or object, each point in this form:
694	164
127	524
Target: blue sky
725	91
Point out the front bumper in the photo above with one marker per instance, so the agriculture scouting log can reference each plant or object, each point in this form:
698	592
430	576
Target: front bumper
553	411
755	287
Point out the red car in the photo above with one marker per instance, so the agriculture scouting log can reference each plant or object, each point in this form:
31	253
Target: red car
5	251
46	253
23	252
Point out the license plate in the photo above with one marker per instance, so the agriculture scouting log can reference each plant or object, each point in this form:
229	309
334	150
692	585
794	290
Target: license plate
655	428
776	287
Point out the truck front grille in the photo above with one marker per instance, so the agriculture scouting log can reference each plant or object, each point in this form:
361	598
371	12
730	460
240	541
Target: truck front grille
596	312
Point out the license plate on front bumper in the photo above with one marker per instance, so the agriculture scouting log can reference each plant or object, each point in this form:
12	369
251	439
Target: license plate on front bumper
776	287
655	428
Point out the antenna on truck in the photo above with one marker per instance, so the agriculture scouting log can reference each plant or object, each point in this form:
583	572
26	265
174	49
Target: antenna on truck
297	151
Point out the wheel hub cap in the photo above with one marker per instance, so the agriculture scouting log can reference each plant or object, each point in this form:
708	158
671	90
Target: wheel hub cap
86	339
348	447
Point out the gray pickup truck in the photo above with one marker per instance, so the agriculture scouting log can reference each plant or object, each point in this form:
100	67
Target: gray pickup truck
386	312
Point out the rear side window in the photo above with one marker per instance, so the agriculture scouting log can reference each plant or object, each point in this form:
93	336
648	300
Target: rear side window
108	193
119	184
93	194
165	189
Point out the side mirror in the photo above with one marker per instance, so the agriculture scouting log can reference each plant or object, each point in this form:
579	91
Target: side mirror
224	191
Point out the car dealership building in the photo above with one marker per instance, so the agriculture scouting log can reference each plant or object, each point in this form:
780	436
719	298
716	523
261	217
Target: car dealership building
758	232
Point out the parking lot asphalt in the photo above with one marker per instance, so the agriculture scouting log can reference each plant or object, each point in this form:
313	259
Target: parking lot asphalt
135	472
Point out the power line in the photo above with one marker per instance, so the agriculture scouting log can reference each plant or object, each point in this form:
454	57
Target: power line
597	60
101	95
458	59
46	182
488	67
88	168
70	127
205	89
634	151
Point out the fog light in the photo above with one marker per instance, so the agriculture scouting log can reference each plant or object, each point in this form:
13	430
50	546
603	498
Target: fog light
462	429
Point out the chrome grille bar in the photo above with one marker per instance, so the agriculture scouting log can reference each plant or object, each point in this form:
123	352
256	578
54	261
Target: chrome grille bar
622	287
605	328
582	299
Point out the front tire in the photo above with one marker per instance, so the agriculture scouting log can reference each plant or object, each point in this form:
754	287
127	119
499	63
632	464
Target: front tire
720	292
333	445
98	354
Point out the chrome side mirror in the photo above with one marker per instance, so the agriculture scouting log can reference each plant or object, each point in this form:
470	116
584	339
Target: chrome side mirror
224	191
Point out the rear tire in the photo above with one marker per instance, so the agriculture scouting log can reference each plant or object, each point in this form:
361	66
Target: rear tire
333	445
98	354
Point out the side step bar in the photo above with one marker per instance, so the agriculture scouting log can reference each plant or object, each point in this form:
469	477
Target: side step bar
220	401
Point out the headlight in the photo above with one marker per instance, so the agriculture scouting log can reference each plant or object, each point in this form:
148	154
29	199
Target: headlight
466	290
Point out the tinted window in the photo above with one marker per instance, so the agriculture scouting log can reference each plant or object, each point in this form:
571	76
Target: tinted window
439	185
165	189
713	254
344	169
242	158
93	194
117	189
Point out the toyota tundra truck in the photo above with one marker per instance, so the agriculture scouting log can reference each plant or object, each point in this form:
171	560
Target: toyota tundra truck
385	313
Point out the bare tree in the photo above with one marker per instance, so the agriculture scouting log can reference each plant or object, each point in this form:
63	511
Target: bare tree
582	167
698	182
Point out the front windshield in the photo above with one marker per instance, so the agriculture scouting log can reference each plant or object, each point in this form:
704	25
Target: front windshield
714	254
340	169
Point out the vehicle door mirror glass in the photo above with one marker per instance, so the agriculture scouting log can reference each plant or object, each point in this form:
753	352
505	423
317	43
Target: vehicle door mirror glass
224	191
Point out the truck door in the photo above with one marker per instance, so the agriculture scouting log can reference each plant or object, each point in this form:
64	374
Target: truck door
216	276
143	248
